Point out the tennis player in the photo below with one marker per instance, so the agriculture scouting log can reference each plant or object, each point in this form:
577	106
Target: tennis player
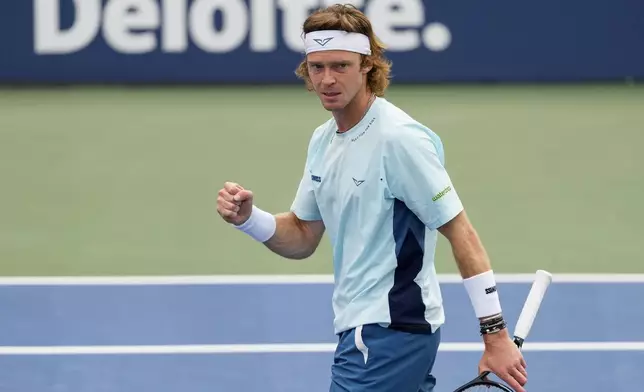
375	180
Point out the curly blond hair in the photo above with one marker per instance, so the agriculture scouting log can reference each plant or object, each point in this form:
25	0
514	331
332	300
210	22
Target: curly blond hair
349	18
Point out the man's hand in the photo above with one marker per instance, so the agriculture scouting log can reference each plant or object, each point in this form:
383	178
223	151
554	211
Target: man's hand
234	203
503	358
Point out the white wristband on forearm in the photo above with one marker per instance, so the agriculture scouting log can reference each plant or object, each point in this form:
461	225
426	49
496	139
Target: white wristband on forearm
260	225
483	294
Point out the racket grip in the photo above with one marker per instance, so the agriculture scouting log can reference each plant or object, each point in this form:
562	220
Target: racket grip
532	304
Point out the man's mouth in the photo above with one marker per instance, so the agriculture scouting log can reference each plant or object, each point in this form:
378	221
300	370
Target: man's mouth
331	94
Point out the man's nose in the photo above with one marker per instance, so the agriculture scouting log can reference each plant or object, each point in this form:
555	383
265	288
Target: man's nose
328	78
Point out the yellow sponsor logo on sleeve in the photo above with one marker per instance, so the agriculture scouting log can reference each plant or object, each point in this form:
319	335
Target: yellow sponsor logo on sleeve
442	193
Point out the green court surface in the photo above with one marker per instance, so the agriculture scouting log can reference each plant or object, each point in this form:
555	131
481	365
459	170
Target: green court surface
98	181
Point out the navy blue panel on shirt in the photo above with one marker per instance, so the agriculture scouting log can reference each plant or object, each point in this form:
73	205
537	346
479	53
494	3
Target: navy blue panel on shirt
406	306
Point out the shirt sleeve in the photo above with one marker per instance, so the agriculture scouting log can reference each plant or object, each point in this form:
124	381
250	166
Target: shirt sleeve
415	174
305	205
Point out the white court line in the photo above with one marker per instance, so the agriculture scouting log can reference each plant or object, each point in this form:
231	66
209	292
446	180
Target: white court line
294	348
284	279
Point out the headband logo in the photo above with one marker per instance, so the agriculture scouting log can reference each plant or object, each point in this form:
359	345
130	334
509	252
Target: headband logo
323	42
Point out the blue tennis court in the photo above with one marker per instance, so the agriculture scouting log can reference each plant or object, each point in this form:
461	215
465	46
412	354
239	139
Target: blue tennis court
73	335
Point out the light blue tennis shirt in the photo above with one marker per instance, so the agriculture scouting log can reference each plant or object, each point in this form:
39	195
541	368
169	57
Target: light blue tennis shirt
382	190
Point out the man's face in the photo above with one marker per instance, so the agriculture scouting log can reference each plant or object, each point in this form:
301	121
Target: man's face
336	76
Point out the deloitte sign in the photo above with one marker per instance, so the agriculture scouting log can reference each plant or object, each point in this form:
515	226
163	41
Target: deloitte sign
216	26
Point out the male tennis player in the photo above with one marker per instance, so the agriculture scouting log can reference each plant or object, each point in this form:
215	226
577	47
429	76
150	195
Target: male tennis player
375	180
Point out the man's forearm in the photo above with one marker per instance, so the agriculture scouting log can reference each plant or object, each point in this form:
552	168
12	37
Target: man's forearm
293	238
469	253
474	265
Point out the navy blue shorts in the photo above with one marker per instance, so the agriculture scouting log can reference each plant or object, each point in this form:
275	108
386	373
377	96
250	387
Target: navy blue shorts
377	359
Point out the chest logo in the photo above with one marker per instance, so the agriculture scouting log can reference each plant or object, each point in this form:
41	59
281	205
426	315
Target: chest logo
357	182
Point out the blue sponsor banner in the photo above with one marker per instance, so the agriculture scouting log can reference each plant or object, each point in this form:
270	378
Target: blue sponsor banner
259	41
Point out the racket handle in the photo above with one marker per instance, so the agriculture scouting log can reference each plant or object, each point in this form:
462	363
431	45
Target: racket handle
532	304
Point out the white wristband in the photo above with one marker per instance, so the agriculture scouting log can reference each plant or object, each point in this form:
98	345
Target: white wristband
260	225
483	294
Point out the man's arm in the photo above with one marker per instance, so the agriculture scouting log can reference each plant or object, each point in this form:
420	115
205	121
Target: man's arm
501	355
295	238
473	264
469	253
285	233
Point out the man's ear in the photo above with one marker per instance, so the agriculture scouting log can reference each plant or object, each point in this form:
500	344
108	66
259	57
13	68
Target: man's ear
367	65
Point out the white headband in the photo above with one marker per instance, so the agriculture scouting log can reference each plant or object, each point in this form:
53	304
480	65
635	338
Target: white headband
317	41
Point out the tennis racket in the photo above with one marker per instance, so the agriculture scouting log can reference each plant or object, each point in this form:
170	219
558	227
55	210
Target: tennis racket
524	324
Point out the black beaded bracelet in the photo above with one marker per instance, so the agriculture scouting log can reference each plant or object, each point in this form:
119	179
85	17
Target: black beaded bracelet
492	325
493	328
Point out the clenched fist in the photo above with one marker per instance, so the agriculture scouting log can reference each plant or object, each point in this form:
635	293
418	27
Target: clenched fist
234	203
